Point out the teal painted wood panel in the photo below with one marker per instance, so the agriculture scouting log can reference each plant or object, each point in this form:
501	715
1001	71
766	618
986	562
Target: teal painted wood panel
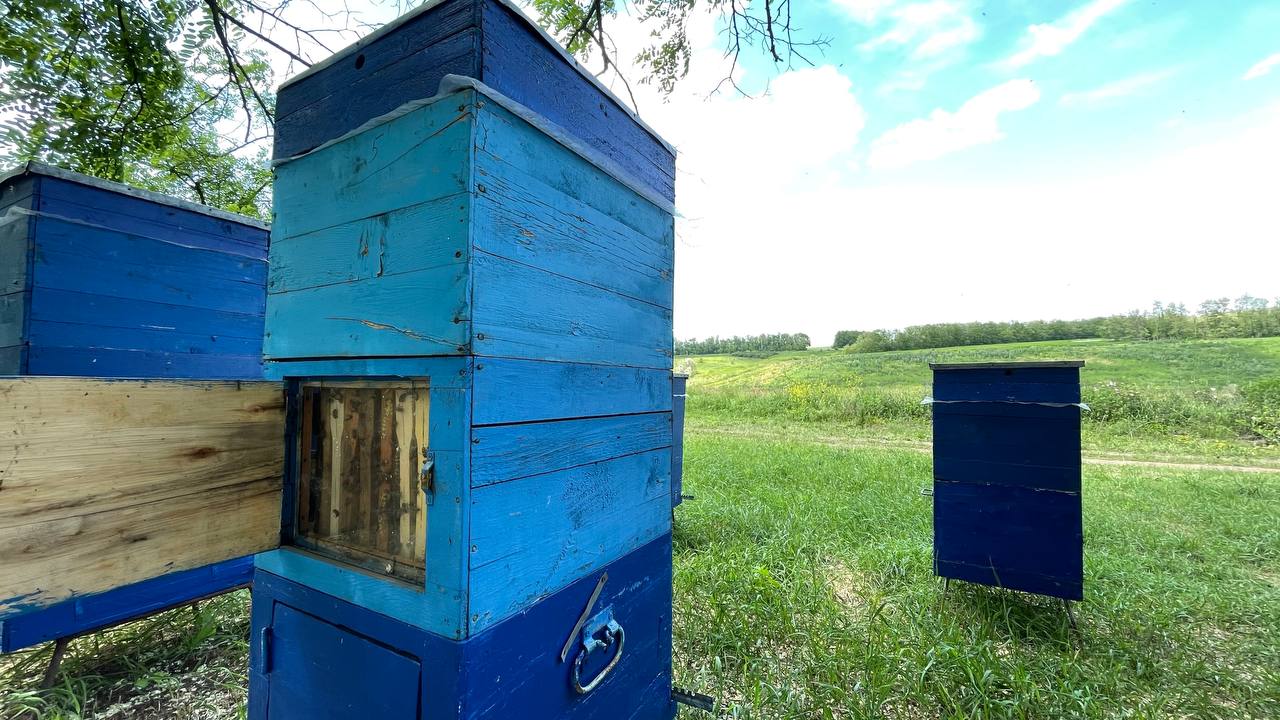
452	372
533	536
12	316
420	156
519	218
519	391
417	237
501	453
523	312
521	148
11	360
415	313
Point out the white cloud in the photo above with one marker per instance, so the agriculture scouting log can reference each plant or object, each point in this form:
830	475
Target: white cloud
865	11
929	28
1050	39
976	122
1262	68
1115	90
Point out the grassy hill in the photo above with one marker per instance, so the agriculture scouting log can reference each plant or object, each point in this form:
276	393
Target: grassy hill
1204	398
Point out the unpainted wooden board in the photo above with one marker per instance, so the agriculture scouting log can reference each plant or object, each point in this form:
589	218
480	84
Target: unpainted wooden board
43	563
77	446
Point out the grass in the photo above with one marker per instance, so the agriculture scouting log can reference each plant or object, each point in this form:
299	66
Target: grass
1173	399
805	590
804	586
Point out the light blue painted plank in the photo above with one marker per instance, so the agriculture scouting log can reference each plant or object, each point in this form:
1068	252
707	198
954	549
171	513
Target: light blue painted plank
533	536
524	150
424	609
516	391
522	219
500	453
454	372
14	248
11	360
523	312
416	313
420	156
422	236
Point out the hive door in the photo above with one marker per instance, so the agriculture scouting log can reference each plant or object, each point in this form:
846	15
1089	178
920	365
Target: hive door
318	670
122	497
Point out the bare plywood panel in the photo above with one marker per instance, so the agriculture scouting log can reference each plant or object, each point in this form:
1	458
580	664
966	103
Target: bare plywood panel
109	482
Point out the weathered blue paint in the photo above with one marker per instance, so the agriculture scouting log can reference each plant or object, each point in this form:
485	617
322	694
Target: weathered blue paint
1007	509
120	285
679	388
484	39
511	669
501	453
99	610
101	281
527	280
521	391
533	536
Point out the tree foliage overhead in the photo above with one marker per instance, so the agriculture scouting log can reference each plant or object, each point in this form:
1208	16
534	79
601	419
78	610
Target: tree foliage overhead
174	95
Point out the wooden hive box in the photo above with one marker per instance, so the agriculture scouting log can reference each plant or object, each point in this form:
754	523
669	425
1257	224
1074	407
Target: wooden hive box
101	279
490	41
108	482
465	248
1006	465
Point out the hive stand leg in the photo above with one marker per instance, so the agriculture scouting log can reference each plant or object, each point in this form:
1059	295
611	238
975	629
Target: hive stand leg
1071	618
55	662
946	585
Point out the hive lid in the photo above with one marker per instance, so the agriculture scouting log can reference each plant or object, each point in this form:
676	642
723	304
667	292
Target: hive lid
1007	365
37	168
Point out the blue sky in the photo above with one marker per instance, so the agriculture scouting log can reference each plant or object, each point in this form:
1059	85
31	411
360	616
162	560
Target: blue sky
948	160
956	160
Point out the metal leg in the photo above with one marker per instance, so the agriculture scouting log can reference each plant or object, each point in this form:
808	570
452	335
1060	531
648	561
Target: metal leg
946	585
1071	618
55	662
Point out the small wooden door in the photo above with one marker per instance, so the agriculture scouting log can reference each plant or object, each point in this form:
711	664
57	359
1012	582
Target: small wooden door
317	671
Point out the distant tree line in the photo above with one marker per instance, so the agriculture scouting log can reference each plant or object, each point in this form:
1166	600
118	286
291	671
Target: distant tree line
1246	316
776	342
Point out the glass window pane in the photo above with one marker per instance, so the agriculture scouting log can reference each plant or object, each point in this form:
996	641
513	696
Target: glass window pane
361	451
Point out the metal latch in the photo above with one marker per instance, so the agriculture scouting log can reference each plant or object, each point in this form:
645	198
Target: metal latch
427	477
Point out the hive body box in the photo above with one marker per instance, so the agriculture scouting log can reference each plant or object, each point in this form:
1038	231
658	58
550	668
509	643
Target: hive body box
1006	464
105	280
470	244
490	41
100	279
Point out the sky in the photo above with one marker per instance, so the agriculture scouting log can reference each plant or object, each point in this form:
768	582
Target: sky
957	160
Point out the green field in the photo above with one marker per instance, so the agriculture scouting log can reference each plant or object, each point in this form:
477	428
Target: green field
1194	400
803	565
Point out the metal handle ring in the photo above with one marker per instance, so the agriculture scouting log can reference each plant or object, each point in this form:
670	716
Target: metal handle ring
617	634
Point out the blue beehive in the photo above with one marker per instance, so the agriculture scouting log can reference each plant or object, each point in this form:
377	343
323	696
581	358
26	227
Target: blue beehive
106	280
101	279
1006	465
490	41
471	308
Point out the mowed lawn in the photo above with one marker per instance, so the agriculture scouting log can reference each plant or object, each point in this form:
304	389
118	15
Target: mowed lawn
804	589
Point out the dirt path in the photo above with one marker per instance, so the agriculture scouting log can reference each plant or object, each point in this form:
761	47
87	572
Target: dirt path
925	447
